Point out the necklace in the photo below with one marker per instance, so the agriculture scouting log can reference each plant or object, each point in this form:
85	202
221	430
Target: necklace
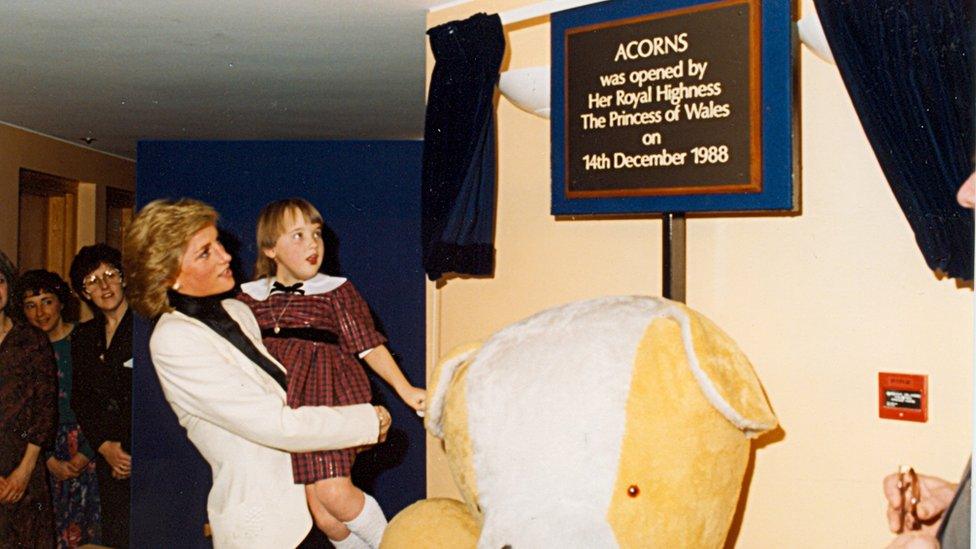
277	319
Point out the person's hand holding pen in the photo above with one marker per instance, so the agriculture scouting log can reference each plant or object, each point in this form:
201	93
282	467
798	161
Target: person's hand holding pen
915	507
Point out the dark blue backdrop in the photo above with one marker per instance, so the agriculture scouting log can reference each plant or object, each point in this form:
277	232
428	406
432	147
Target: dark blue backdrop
369	195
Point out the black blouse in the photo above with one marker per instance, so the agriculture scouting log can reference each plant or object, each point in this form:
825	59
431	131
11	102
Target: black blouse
101	393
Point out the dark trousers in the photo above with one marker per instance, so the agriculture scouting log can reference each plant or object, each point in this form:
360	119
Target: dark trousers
114	494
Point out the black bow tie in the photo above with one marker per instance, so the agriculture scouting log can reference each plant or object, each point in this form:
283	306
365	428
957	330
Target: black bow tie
295	288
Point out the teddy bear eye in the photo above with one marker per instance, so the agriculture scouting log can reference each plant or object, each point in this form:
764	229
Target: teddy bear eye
633	491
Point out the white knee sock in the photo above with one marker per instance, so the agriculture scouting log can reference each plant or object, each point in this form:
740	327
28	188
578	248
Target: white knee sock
352	541
370	523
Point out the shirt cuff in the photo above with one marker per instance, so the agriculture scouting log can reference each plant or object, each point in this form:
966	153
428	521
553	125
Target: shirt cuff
362	354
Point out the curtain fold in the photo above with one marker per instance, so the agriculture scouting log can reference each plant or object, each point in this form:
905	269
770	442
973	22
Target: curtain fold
458	194
908	67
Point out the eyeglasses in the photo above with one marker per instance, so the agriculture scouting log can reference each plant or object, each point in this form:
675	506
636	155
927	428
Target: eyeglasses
910	494
94	280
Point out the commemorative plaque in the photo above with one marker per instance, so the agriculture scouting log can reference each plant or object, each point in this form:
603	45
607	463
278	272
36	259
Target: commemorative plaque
654	107
664	104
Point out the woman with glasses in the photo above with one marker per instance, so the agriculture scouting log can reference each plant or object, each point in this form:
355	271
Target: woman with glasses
101	350
48	304
28	417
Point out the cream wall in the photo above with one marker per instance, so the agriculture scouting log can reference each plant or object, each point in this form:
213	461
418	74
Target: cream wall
25	149
820	302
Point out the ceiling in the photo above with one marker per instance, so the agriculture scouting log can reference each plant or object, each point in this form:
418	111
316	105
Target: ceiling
120	71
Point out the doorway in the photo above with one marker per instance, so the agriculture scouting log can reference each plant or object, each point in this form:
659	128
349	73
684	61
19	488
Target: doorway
119	208
47	228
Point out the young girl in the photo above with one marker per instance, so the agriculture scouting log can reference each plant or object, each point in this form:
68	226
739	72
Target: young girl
316	326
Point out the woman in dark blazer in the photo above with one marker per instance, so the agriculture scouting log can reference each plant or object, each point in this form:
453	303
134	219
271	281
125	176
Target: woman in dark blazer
101	353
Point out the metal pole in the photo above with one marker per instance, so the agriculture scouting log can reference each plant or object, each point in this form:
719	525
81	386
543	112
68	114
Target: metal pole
674	256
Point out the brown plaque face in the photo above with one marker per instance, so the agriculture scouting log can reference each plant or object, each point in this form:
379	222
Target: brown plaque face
665	104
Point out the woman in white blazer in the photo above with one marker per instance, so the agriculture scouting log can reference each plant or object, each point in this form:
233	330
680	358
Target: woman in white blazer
227	391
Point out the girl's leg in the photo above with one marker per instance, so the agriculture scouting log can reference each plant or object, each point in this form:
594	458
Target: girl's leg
360	512
334	529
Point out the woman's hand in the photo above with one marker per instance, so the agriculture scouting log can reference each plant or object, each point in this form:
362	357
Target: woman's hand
414	397
118	458
78	462
385	419
62	470
16	484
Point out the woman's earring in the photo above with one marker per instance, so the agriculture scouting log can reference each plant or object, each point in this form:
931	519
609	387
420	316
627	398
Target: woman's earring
176	286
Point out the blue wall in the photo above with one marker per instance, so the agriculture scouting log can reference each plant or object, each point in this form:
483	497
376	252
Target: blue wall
369	194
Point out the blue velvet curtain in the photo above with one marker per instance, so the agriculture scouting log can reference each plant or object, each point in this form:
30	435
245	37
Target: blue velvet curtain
908	67
458	196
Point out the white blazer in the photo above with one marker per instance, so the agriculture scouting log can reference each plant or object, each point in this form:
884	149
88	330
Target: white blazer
237	417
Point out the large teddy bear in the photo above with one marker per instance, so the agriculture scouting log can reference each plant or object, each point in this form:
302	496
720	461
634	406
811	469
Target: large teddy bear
621	421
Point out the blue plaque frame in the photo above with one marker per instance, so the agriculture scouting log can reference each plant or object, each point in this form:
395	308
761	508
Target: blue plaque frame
779	135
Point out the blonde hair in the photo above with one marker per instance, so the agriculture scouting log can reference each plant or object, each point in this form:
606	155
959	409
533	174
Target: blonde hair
271	225
154	243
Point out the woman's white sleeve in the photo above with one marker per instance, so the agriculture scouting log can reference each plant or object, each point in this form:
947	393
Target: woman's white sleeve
201	380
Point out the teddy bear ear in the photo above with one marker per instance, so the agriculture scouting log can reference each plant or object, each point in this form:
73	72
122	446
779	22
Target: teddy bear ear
724	373
439	383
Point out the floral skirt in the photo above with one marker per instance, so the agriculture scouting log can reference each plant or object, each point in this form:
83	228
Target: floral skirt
77	514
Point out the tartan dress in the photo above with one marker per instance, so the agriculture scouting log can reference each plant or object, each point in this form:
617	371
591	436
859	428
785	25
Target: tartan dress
320	374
